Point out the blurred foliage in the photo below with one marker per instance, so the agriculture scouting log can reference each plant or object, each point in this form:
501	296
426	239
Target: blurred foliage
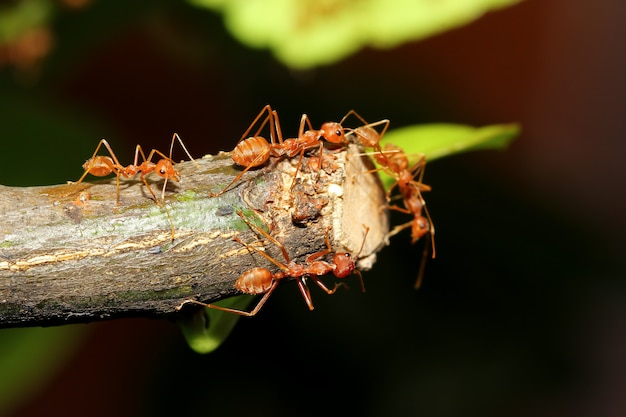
46	137
304	34
301	34
29	357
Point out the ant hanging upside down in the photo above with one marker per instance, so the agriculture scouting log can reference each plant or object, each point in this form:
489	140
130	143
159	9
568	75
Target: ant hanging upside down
395	162
260	280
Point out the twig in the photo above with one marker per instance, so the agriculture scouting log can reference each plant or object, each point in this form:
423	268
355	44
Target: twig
68	256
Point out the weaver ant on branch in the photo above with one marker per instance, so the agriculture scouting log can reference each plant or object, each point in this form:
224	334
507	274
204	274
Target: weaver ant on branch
395	162
261	280
101	166
366	134
255	150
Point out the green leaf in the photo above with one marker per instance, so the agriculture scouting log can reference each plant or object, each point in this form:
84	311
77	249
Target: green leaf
304	34
23	16
438	140
207	328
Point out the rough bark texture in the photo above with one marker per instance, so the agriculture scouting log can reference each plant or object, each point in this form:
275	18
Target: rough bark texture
68	255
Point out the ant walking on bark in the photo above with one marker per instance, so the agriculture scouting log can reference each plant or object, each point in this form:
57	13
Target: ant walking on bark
101	166
255	150
260	280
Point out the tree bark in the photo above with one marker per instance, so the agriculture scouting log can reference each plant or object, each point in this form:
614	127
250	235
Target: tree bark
69	255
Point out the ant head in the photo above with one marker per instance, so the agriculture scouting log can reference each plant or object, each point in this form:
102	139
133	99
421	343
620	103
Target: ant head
333	132
165	169
344	264
419	228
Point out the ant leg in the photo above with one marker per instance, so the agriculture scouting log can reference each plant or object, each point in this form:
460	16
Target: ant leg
420	272
275	135
398	228
110	167
269	237
277	129
366	124
327	290
295	175
254	163
304	290
265	255
357	115
367	230
182	145
431	230
156	201
356	257
323	252
400	209
304	119
270	117
384	122
116	163
164	168
251	313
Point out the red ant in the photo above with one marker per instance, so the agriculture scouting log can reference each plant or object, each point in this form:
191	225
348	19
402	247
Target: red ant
261	280
396	163
100	166
366	134
254	151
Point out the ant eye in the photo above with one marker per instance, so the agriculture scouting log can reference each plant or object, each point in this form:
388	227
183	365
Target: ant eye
338	133
162	171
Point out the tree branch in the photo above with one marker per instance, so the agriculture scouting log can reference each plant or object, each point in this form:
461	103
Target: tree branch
67	255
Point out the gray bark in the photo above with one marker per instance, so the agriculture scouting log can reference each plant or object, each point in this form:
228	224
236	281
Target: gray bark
68	255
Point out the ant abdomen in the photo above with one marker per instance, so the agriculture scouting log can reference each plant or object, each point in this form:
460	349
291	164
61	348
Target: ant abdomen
251	152
255	281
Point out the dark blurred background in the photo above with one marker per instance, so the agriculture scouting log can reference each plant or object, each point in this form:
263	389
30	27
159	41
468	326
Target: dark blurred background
523	313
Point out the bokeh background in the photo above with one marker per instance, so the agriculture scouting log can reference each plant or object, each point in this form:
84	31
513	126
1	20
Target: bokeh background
523	313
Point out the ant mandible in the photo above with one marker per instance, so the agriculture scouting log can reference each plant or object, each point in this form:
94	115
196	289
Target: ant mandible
260	280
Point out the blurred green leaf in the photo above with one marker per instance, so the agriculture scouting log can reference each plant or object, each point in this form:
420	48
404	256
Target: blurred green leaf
304	34
206	329
438	140
23	16
30	357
